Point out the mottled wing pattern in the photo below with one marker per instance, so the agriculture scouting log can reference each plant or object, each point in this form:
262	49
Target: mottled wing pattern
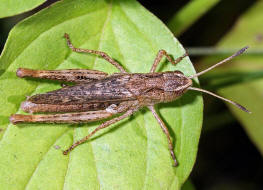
110	89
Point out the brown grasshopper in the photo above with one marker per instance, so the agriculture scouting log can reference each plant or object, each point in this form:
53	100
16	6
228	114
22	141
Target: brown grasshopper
97	95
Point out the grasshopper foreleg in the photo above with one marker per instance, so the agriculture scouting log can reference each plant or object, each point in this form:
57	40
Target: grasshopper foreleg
166	132
100	53
160	55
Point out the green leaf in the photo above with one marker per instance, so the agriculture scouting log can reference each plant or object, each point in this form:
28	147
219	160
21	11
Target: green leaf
14	7
242	79
189	14
133	154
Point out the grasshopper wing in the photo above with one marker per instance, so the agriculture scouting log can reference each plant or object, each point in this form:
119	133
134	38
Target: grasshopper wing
111	89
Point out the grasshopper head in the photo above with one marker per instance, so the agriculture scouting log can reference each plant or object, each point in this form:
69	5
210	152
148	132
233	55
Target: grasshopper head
177	82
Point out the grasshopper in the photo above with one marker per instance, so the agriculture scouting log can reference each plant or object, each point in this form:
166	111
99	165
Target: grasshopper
97	95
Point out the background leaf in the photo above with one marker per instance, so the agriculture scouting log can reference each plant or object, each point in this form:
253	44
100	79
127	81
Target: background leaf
189	14
13	7
188	186
131	155
241	80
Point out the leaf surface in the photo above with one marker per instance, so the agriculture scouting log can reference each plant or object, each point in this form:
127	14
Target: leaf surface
133	154
14	7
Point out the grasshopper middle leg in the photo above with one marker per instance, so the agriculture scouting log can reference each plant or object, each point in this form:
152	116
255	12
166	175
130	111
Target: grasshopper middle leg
102	126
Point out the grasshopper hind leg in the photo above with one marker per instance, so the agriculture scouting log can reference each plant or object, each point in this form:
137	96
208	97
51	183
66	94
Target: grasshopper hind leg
78	117
81	117
69	75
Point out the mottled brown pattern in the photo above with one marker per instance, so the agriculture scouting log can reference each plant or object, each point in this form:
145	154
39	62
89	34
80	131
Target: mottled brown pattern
98	96
30	107
118	88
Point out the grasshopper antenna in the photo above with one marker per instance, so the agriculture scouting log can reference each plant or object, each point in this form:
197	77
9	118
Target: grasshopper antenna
220	63
220	97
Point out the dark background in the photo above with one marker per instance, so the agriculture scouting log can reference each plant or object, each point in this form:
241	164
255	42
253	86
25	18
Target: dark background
226	158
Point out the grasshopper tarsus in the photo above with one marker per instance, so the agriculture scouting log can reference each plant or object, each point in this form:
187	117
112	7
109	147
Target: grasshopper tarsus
98	96
174	158
179	59
66	35
65	152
